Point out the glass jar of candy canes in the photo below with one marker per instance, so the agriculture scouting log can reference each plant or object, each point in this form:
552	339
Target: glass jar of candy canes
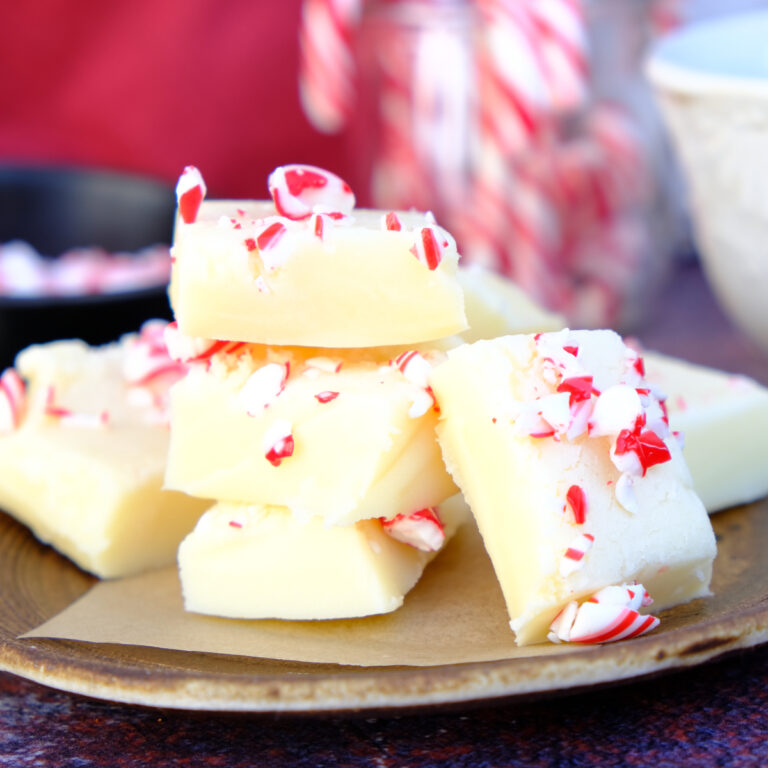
526	126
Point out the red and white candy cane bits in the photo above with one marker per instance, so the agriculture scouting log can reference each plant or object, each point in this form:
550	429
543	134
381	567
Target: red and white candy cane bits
190	193
278	442
298	191
609	615
13	395
422	529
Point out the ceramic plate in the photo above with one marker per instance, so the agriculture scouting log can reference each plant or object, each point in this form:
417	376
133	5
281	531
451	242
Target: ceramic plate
37	583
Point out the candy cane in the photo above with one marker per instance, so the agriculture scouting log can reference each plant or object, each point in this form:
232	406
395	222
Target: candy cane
13	396
326	69
422	529
298	191
190	193
609	615
278	442
561	37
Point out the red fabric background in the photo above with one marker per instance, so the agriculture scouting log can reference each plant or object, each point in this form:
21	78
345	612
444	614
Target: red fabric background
153	85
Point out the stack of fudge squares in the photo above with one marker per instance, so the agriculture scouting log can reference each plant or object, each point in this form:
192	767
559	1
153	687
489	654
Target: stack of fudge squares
342	398
309	331
345	429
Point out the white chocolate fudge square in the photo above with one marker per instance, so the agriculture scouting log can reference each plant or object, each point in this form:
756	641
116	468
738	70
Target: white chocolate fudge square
342	435
83	466
724	422
255	562
564	457
243	273
495	306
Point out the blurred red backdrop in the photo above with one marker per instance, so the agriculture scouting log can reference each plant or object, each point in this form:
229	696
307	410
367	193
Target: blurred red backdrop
153	85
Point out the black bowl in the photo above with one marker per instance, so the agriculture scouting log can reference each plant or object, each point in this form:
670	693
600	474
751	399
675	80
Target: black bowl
56	209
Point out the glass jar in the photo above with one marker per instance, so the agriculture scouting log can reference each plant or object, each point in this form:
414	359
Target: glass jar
528	130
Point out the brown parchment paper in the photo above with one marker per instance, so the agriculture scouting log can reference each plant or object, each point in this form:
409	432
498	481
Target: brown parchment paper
455	614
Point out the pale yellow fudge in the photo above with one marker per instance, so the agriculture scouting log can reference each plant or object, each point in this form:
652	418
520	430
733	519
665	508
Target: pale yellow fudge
343	435
254	562
723	419
83	463
566	460
495	306
243	273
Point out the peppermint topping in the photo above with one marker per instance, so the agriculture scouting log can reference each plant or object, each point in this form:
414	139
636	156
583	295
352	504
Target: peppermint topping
147	361
647	448
617	409
263	387
625	493
428	248
193	349
573	558
298	191
317	225
578	503
190	193
414	366
13	397
270	236
392	223
422	529
278	442
609	615
271	246
579	388
326	397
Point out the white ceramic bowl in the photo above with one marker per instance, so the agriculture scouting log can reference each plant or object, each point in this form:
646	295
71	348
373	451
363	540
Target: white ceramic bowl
711	80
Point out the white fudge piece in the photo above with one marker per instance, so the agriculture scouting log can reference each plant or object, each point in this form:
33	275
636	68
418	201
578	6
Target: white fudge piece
343	435
243	273
495	306
83	467
573	491
252	561
724	422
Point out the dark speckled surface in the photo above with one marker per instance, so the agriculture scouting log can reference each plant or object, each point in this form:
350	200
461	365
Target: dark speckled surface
713	715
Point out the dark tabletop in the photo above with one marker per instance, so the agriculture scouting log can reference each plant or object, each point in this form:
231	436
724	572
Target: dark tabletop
715	714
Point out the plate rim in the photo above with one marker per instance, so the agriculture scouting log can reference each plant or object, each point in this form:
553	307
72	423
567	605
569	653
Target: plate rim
166	678
323	691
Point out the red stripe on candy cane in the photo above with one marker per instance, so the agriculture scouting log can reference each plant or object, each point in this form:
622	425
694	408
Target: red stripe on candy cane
422	529
13	393
578	503
190	193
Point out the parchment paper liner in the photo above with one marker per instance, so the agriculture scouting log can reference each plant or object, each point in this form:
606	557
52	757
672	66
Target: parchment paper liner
455	614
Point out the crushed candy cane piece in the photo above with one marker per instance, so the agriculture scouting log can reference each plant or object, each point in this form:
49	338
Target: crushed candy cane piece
414	366
611	614
13	395
190	193
428	248
625	493
616	409
278	442
646	446
392	222
298	191
326	397
263	387
573	558
422	529
578	503
194	349
579	388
